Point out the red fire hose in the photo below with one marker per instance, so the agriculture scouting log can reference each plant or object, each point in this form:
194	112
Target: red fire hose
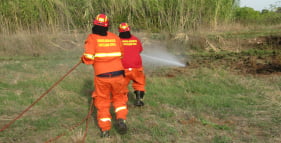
44	94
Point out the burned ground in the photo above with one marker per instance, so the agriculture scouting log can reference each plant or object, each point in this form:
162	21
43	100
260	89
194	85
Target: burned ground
262	57
256	56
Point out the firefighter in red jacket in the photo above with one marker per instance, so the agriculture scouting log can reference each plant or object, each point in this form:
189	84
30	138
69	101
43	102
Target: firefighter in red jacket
132	62
103	50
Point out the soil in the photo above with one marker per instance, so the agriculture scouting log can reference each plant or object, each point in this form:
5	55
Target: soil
264	58
265	65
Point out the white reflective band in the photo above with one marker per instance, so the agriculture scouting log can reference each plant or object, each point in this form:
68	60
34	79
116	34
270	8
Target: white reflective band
89	56
130	69
120	108
108	54
105	119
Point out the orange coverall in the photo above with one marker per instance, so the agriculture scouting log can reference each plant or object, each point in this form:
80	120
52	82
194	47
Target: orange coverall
104	54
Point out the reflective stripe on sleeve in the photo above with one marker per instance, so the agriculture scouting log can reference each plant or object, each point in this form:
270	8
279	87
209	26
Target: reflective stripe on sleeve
120	108
116	54
89	56
105	119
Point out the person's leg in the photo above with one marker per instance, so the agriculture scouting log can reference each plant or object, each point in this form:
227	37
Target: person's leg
120	99
128	78
102	102
139	86
103	113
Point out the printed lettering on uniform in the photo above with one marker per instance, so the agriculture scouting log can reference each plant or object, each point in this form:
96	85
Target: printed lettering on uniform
129	42
125	41
106	42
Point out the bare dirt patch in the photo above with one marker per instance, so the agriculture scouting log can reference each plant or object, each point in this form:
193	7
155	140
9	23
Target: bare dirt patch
259	56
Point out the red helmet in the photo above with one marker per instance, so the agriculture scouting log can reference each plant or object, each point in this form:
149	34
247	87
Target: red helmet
101	20
124	27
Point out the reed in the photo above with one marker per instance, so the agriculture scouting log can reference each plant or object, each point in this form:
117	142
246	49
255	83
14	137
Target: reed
151	15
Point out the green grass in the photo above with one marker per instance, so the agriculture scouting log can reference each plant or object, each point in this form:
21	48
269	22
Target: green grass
193	105
221	139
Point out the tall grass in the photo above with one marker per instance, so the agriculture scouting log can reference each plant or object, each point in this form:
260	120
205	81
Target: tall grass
153	15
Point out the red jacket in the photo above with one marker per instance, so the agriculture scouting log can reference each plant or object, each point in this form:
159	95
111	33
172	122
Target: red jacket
132	49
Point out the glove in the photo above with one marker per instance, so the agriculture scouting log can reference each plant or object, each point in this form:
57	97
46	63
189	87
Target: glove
82	60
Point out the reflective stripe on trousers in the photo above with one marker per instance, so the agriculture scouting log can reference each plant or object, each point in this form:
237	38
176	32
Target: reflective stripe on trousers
105	119
120	108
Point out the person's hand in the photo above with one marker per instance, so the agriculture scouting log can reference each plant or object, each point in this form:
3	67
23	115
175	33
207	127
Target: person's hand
81	59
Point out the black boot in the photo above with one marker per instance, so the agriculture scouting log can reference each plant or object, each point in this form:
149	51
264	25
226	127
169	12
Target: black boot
121	126
139	98
105	134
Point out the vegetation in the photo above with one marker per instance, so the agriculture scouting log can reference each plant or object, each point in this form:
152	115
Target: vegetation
152	15
228	92
182	104
248	15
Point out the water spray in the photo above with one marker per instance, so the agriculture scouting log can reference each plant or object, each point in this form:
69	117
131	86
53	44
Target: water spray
164	61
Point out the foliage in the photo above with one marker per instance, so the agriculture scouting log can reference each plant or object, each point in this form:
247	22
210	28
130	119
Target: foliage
150	15
196	105
248	15
203	102
154	15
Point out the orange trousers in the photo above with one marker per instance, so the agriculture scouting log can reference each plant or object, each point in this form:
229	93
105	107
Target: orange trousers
110	91
137	76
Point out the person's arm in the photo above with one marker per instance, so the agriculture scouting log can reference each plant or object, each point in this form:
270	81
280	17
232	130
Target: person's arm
89	51
140	46
121	47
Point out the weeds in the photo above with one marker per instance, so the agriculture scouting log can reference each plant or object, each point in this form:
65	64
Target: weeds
191	104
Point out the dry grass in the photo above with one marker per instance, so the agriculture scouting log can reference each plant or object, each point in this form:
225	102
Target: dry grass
178	102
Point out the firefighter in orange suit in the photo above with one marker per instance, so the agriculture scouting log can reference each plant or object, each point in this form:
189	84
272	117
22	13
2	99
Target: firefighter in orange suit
103	50
132	62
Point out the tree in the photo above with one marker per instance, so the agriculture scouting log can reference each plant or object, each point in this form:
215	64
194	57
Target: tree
247	14
264	11
278	10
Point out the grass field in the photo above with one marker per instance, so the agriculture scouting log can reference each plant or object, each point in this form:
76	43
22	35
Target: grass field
206	101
